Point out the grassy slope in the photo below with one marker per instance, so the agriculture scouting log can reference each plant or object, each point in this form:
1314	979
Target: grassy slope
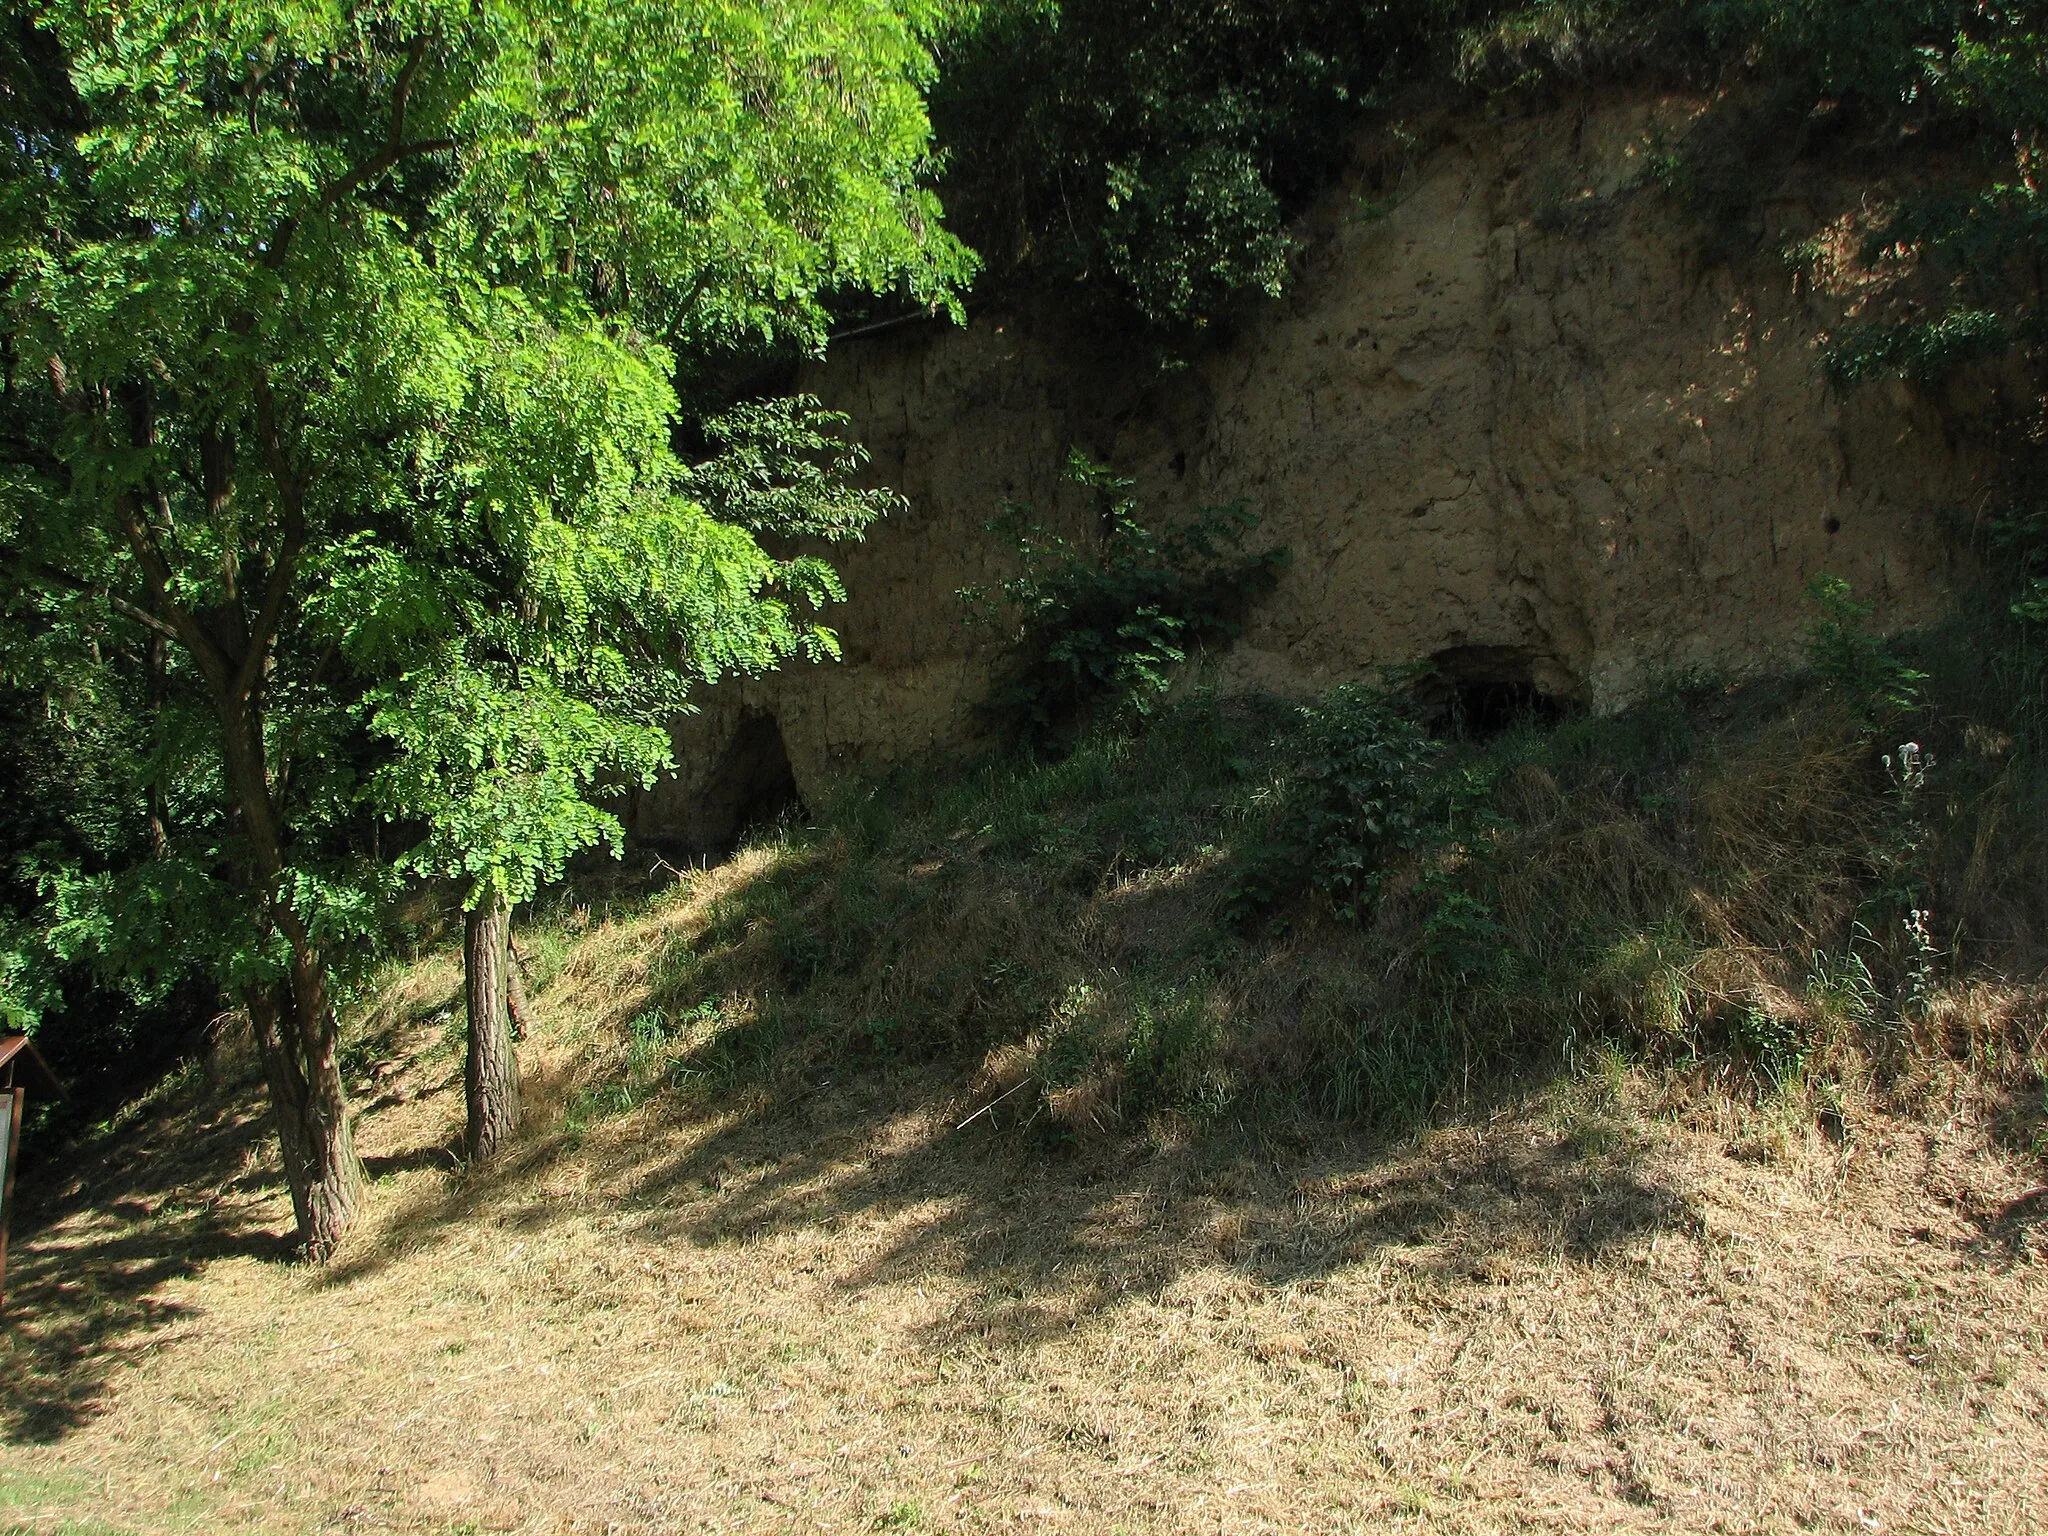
1721	884
955	1163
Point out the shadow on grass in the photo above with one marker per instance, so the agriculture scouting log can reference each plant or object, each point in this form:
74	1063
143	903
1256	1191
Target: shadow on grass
2020	1226
185	1178
861	976
174	1190
1047	1231
435	1157
1049	1235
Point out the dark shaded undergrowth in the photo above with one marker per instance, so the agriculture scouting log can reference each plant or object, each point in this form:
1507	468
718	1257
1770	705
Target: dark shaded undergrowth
1756	885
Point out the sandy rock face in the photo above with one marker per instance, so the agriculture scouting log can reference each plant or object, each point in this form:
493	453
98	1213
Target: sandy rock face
1507	419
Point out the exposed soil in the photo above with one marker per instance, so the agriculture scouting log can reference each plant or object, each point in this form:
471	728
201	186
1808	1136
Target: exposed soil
1521	414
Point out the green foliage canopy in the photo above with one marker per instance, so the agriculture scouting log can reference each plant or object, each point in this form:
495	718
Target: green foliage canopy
341	350
1153	154
511	713
1155	151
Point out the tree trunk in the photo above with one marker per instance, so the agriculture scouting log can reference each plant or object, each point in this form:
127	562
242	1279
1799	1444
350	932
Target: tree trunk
295	1024
491	1072
287	1092
233	645
515	988
313	1132
153	704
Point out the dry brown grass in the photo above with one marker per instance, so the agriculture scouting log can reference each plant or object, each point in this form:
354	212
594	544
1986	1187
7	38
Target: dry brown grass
899	1235
1624	1303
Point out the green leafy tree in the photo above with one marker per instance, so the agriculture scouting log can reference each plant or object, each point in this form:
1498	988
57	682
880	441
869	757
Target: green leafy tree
515	710
340	349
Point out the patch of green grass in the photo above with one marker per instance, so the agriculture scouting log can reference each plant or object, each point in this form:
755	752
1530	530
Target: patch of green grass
38	1494
40	1490
264	1450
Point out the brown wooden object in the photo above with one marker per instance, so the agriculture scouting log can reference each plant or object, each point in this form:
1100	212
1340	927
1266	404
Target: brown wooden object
21	1068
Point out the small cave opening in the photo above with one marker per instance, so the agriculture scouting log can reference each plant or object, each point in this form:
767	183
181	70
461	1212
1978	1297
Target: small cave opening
751	786
1475	692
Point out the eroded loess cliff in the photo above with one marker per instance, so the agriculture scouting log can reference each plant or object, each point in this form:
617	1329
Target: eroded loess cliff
1513	416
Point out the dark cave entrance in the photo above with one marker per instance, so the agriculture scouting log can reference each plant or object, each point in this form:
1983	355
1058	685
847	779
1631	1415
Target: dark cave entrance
1476	692
752	785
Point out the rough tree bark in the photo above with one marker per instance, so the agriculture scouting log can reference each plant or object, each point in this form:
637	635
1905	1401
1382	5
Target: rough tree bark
320	1164
233	640
491	1071
297	1031
515	987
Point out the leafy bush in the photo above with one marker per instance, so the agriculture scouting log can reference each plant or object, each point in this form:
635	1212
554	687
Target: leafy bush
1781	1045
1154	151
1359	796
1462	932
1847	656
1105	627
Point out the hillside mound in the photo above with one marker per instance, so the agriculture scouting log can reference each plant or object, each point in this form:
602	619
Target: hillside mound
977	1152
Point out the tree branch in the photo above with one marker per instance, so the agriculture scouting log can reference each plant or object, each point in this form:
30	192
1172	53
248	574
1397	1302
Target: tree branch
395	150
140	405
120	605
182	625
379	163
216	489
285	568
401	89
